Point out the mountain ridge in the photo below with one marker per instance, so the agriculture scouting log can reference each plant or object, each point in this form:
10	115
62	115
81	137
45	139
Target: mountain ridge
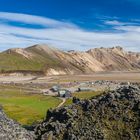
53	61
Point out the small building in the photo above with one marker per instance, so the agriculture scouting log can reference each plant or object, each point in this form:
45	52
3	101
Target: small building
64	93
55	88
45	92
80	89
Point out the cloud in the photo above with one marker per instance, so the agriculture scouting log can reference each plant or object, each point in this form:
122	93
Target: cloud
32	19
114	22
119	23
134	29
64	35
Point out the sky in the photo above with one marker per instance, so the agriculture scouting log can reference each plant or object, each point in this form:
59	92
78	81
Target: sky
70	24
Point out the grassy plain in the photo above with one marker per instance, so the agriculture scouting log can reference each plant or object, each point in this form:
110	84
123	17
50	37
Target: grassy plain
83	95
26	108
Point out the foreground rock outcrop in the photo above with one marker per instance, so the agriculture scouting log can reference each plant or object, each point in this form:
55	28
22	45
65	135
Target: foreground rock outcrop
10	130
111	116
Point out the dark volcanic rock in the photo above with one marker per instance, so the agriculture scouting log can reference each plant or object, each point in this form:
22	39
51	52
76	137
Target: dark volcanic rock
10	130
111	116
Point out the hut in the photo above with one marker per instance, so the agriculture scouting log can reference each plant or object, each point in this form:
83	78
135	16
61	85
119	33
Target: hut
45	92
83	89
55	88
64	93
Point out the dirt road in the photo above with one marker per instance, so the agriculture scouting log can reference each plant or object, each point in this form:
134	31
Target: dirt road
62	103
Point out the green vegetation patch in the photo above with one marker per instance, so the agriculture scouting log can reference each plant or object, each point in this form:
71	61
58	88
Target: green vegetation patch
26	108
83	95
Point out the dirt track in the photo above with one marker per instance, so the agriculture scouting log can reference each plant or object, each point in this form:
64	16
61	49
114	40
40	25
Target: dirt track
62	103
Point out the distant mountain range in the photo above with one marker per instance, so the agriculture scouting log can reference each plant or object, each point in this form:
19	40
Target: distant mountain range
51	61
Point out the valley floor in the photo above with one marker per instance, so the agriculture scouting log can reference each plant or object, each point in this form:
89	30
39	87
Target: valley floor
115	76
23	100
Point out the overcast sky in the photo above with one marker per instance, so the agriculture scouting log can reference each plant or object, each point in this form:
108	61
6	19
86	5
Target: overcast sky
70	24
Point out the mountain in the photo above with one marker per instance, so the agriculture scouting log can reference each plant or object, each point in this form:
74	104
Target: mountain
115	115
52	61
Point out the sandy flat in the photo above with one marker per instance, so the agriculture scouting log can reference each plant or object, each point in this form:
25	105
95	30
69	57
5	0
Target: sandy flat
113	76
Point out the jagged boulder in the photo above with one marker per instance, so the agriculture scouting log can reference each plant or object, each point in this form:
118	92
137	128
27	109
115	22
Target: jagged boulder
114	115
10	130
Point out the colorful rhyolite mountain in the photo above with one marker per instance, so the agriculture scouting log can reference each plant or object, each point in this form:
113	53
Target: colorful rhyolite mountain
52	61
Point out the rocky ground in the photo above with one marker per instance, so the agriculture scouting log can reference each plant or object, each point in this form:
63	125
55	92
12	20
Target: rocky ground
10	130
114	115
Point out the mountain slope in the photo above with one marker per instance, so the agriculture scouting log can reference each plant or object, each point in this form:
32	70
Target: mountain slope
53	61
115	58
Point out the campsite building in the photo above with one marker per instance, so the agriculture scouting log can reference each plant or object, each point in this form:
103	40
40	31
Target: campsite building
64	93
80	89
55	88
